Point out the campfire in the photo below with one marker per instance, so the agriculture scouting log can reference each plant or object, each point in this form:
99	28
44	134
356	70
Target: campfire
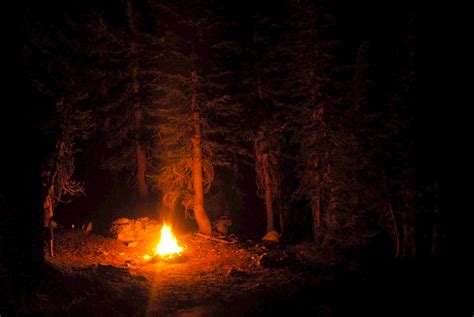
168	247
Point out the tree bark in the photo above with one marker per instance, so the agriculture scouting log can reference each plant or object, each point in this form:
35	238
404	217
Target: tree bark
141	161
316	208
283	212
130	16
48	201
435	227
199	212
395	228
142	187
268	194
409	238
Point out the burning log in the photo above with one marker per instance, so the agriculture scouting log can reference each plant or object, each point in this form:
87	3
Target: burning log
168	245
168	249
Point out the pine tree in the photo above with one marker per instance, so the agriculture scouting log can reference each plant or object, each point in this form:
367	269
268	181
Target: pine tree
73	125
267	149
190	103
321	108
63	80
121	71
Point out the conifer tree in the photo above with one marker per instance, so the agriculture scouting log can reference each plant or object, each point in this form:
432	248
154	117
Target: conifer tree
121	72
189	102
71	121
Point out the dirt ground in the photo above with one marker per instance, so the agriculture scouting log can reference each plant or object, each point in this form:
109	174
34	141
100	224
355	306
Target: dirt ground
93	275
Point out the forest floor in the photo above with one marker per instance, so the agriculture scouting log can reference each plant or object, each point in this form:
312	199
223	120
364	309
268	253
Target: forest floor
93	275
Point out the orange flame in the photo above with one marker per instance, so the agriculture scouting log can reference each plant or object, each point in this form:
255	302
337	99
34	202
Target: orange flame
168	245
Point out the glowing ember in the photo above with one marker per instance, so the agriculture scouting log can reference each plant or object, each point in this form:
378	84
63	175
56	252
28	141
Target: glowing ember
168	245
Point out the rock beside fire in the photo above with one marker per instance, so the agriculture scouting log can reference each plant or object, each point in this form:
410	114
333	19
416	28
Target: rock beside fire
222	225
131	231
272	236
277	259
238	273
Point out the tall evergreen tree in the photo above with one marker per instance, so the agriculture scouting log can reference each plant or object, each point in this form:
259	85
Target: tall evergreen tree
189	101
57	75
121	71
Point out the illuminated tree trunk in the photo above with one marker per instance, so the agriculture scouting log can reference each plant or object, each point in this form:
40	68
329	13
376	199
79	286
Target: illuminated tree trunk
264	157
268	193
199	212
48	203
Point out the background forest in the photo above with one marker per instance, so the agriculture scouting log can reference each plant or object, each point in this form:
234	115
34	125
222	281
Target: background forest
298	121
303	116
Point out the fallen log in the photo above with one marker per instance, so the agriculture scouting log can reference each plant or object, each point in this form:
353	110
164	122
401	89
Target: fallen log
214	239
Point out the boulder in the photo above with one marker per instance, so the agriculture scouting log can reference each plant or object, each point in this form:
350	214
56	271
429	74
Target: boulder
121	221
272	236
222	225
134	230
238	273
276	259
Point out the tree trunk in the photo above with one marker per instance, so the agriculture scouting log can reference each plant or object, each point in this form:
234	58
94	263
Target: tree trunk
283	212
141	168
48	207
130	16
268	193
435	229
48	201
142	187
434	237
141	161
395	228
413	246
259	83
199	212
409	238
316	209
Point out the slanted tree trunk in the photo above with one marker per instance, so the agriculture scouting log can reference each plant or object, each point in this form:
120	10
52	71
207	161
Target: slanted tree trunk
268	193
199	212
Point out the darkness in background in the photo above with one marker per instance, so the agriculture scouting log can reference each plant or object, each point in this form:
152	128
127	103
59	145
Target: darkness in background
22	149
